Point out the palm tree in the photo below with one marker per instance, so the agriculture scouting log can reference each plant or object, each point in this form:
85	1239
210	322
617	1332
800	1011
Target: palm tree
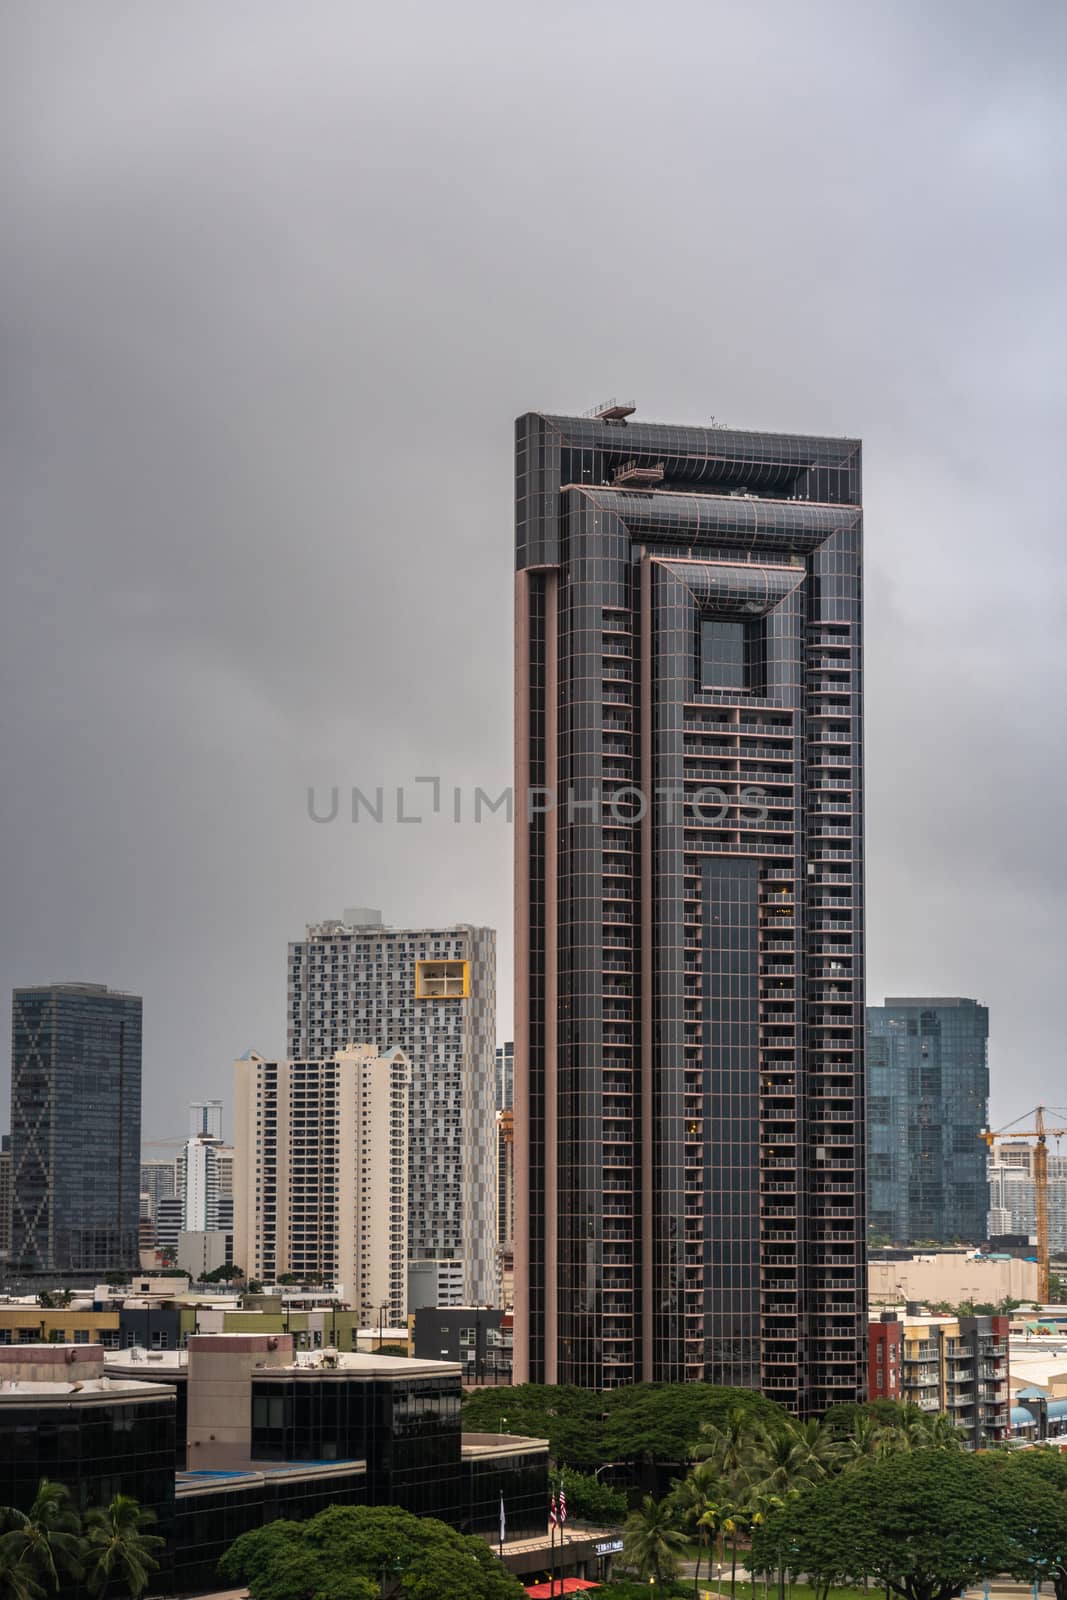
653	1540
695	1503
44	1540
868	1439
118	1546
16	1581
788	1456
730	1446
942	1434
915	1429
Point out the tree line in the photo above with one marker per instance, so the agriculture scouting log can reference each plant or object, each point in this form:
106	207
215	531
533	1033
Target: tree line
883	1493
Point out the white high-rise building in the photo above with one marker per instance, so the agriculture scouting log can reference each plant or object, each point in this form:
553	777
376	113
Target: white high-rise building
432	992
1012	1199
204	1171
205	1120
321	1173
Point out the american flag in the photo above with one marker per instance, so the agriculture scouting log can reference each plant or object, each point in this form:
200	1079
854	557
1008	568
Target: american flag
562	1505
553	1519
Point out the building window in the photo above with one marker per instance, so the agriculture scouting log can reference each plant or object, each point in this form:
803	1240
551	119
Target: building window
725	654
81	1336
160	1339
442	980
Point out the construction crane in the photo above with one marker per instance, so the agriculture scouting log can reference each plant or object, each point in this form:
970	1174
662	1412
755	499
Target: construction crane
1041	1132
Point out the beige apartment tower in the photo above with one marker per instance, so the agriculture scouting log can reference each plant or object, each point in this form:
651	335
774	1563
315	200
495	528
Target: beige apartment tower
321	1173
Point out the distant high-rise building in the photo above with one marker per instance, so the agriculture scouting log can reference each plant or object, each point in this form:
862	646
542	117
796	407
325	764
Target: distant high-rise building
505	1076
435	1283
224	1164
5	1194
321	1173
75	1128
200	1175
204	1169
927	1105
432	992
205	1120
168	1221
158	1182
1012	1197
689	908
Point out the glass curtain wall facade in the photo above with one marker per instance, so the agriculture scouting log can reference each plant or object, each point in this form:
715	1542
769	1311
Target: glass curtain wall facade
689	1103
75	1128
928	1103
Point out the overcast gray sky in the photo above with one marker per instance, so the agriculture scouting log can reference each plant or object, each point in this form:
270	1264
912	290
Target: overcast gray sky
275	281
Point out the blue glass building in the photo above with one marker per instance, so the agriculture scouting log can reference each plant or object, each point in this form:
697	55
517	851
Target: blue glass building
927	1104
75	1128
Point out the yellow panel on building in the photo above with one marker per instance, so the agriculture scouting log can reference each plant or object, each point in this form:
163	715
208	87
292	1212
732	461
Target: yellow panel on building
442	980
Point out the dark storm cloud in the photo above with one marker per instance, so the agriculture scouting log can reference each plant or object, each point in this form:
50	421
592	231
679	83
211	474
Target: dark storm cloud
276	279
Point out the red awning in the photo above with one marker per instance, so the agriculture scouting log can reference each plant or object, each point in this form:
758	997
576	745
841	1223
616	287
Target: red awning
544	1591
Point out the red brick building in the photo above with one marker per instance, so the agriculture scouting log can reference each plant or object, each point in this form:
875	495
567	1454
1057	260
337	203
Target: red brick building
885	1359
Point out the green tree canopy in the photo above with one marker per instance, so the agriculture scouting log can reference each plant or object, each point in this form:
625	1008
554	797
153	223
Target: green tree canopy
663	1422
918	1523
1030	1501
570	1419
344	1553
641	1422
590	1499
223	1274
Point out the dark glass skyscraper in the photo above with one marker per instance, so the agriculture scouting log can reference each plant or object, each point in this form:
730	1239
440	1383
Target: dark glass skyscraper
75	1128
689	1032
927	1104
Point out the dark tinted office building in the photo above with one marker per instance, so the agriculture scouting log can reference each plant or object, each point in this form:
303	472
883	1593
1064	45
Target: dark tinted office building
689	915
61	1418
928	1103
75	1128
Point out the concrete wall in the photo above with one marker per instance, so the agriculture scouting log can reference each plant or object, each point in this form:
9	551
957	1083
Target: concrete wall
951	1278
201	1251
221	1367
51	1363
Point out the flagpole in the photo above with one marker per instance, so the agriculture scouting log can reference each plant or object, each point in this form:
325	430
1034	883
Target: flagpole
552	1565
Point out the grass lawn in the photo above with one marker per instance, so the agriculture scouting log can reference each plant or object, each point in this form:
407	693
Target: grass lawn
793	1591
